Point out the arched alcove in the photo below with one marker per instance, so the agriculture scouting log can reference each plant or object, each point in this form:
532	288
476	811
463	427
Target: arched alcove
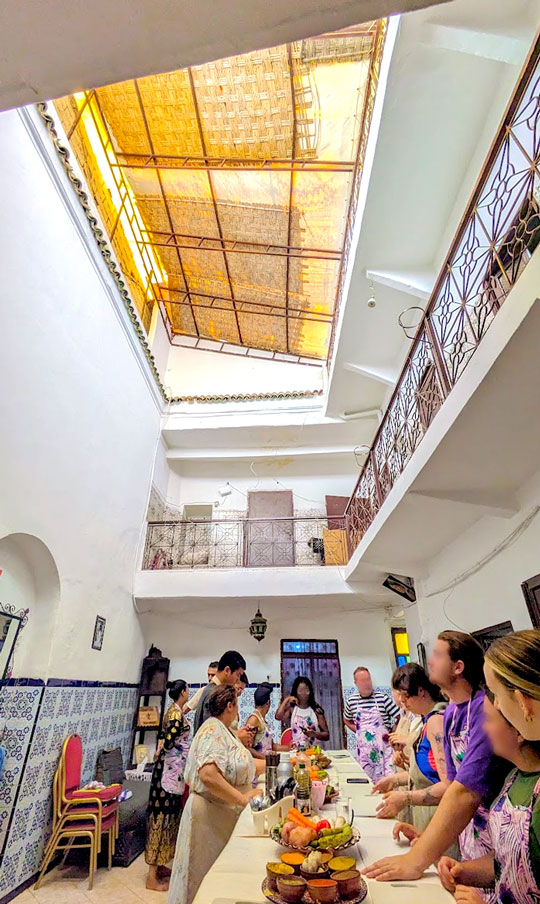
30	580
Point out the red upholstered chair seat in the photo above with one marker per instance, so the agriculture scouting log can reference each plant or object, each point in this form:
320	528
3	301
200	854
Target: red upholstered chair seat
105	794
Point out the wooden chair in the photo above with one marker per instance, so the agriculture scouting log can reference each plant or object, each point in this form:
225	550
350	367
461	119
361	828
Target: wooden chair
80	814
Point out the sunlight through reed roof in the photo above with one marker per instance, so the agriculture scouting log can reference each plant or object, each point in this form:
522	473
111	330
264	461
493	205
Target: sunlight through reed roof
227	189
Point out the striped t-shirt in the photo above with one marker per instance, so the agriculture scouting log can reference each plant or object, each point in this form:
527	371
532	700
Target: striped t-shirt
378	700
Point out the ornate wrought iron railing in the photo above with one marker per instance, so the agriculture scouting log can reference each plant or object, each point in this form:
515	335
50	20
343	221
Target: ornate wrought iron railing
246	543
496	237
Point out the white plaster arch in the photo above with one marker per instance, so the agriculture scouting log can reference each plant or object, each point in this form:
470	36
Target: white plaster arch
30	580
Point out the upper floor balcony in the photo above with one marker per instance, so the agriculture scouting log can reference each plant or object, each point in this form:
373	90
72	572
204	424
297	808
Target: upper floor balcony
246	543
496	238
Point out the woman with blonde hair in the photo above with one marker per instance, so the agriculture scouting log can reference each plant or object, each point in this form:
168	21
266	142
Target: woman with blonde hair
512	670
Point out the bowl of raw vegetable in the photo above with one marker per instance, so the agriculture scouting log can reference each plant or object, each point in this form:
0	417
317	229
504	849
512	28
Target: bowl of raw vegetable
299	833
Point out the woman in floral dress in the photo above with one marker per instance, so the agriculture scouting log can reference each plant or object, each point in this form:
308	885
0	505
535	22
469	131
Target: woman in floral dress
219	772
167	790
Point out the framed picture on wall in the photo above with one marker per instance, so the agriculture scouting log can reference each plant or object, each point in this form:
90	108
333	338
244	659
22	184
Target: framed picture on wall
531	592
99	632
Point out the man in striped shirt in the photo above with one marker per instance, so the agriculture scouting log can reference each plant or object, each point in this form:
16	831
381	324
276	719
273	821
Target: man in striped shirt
367	699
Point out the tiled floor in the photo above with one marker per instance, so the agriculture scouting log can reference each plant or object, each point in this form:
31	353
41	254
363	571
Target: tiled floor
119	886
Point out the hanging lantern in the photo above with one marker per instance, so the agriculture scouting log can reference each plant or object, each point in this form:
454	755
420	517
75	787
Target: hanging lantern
257	627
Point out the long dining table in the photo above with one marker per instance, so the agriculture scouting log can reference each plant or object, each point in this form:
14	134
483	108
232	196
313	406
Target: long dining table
237	874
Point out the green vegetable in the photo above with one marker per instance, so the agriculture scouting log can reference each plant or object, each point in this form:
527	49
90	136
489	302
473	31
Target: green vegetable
333	839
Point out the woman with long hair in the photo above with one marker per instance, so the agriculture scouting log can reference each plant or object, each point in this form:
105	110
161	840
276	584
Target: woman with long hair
512	670
307	719
167	790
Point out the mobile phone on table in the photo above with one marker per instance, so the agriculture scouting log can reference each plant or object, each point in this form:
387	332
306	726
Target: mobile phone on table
358	781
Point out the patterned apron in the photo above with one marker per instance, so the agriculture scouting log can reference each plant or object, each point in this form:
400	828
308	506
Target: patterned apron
174	764
299	723
509	827
372	752
263	741
475	839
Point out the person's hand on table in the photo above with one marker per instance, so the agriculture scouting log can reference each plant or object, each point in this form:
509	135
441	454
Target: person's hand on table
385	784
449	873
253	792
389	869
394	801
409	832
464	894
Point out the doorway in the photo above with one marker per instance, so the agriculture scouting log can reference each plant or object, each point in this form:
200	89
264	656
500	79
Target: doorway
317	660
269	543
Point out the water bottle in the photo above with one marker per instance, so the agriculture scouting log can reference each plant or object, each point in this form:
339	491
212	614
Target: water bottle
302	791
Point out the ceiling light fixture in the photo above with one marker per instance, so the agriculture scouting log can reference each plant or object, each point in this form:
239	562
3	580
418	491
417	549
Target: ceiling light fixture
360	453
410	319
372	301
257	628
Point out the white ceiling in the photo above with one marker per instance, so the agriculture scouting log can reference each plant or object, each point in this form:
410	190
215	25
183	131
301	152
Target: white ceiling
442	108
51	48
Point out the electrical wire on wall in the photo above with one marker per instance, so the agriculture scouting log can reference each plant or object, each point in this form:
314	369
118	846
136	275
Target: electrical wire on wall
470	572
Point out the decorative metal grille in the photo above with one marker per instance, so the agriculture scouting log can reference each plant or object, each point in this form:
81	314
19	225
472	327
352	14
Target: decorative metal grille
238	543
497	236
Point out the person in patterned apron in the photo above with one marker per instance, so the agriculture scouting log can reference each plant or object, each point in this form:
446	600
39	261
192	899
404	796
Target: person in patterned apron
473	772
513	864
373	751
371	714
262	740
427	761
307	719
167	790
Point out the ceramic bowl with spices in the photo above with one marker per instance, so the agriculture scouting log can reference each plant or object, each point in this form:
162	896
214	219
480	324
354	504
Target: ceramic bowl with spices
294	859
275	870
349	883
291	888
323	891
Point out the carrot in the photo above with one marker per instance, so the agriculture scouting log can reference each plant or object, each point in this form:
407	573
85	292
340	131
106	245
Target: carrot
295	816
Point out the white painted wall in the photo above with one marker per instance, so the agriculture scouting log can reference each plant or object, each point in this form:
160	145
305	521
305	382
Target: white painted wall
194	372
491	595
310	479
79	426
364	639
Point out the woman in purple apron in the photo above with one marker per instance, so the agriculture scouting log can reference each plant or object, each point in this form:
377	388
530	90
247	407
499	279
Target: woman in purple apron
373	751
475	838
508	864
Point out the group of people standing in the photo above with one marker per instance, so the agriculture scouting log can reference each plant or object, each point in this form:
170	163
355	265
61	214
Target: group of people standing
473	778
455	755
219	761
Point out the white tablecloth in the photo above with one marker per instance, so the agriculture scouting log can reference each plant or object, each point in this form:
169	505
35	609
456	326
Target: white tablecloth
237	874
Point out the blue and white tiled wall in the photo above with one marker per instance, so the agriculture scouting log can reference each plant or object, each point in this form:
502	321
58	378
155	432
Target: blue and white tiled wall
37	720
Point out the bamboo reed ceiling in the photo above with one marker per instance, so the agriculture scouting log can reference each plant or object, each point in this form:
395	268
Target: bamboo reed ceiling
225	189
